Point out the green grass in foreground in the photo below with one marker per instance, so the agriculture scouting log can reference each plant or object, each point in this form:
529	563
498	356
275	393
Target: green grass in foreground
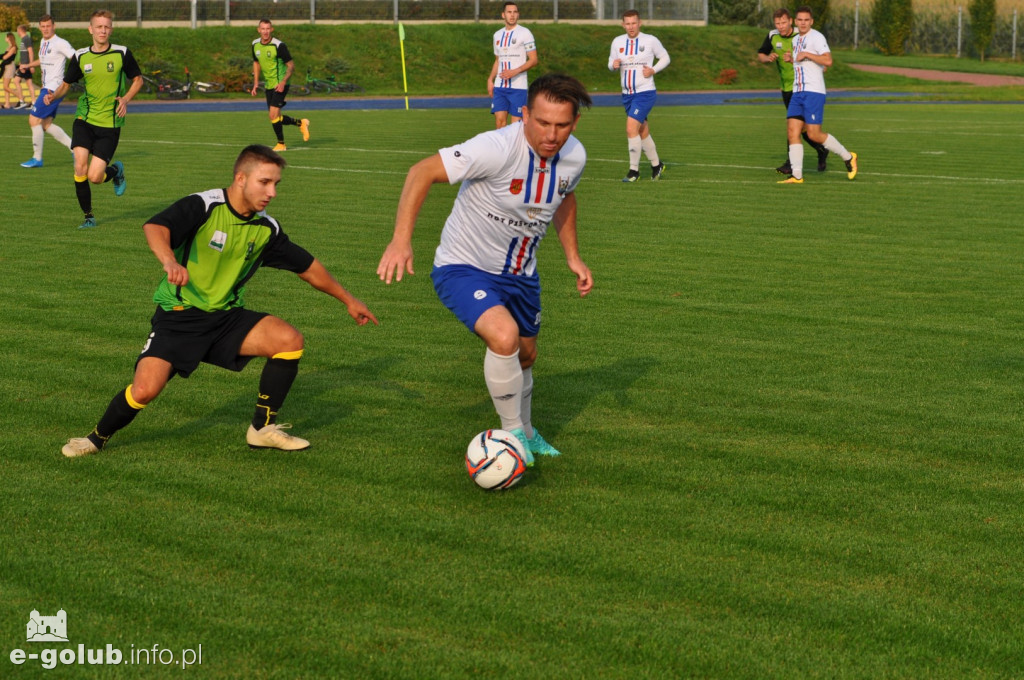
791	416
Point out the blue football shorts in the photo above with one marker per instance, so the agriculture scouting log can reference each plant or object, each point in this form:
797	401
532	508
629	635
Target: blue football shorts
509	100
469	292
41	110
638	105
808	107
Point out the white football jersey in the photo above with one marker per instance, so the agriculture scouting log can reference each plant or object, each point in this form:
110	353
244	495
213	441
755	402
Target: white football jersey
633	54
807	75
510	47
507	199
53	57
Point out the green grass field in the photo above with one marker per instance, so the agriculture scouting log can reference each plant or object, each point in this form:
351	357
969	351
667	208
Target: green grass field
791	416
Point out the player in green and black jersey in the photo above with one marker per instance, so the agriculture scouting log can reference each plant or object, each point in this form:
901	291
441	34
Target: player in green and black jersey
210	244
112	79
271	57
776	44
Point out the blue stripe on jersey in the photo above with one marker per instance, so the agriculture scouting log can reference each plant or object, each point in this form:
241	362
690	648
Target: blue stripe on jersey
553	176
508	255
529	179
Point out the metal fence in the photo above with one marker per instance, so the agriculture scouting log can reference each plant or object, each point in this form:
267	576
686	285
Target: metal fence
202	12
947	33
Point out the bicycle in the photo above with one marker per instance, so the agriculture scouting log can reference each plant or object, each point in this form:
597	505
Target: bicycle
328	84
157	82
184	91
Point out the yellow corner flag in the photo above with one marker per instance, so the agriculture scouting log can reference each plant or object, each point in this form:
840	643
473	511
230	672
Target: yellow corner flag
401	43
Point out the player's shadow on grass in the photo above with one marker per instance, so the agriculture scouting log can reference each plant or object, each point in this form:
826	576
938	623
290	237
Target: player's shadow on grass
559	398
318	398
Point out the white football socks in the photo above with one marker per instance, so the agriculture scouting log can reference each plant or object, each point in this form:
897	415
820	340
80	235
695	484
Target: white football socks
651	151
833	145
796	160
527	402
504	378
37	142
58	133
635	146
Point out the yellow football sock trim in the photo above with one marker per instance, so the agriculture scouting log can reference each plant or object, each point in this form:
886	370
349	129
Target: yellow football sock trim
277	120
288	355
82	178
131	402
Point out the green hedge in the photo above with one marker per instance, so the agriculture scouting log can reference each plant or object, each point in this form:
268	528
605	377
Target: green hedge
893	21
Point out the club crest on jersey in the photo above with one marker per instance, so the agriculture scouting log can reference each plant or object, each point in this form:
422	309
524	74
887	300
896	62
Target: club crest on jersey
218	241
516	187
643	49
534	213
621	50
110	67
563	185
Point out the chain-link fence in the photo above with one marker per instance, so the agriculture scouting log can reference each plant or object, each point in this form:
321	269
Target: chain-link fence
946	33
203	12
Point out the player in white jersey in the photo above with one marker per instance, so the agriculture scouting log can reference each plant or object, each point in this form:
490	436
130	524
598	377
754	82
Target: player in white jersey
54	53
638	56
515	183
515	53
810	57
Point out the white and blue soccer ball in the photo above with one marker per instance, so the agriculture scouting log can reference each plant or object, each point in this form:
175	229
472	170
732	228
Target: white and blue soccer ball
495	459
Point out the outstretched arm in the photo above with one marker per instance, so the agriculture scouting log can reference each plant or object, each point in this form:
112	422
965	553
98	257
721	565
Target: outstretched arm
321	279
397	257
565	224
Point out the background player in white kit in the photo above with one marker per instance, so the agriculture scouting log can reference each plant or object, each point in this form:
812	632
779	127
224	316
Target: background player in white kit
638	56
810	57
516	181
54	53
515	53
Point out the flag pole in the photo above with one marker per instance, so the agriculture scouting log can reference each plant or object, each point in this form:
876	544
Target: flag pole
405	84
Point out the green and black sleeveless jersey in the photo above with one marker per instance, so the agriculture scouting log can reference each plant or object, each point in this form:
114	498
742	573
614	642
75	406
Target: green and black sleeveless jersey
775	42
107	75
221	250
272	59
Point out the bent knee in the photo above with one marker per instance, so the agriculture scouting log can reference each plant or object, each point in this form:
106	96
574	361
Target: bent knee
143	393
290	341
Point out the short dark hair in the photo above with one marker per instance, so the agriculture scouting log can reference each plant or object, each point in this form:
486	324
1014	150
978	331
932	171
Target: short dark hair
560	88
258	153
781	12
805	8
265	20
45	18
631	13
507	3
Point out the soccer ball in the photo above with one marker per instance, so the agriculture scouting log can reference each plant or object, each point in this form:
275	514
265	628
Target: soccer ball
495	459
